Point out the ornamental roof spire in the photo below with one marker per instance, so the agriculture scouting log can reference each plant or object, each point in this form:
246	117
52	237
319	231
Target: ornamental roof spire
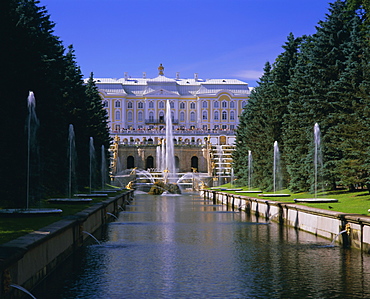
161	69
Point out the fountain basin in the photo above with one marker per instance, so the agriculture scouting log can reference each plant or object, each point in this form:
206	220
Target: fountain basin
28	212
91	195
274	195
69	200
315	200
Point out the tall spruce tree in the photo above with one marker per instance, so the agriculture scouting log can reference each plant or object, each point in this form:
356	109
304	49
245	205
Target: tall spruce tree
316	97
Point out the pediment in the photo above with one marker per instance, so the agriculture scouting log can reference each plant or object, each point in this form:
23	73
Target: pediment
161	92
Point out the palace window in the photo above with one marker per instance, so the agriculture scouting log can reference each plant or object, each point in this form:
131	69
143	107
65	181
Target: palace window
140	116
172	105
117	104
182	105
105	104
118	115
205	115
232	105
129	104
192	105
204	104
182	116
216	115
151	104
224	104
161	105
129	116
140	105
161	117
244	103
216	104
232	115
224	115
151	116
192	116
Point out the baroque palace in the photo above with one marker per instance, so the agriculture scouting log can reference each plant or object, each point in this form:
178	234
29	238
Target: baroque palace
203	112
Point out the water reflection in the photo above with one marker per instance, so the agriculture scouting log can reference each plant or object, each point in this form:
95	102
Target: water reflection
184	247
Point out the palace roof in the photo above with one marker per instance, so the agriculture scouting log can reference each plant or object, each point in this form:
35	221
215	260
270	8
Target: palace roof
163	85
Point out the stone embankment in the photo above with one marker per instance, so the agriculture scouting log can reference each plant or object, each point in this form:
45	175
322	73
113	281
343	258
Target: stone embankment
354	229
29	259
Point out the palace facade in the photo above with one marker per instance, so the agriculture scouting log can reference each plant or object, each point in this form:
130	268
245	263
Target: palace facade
196	104
204	114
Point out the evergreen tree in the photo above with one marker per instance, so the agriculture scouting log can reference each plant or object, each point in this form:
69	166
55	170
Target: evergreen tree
97	122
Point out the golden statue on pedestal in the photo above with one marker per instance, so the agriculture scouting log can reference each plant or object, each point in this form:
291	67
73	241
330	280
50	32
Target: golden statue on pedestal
161	69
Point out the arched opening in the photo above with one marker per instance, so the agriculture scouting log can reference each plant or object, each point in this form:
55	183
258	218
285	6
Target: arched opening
149	162
194	163
177	163
130	162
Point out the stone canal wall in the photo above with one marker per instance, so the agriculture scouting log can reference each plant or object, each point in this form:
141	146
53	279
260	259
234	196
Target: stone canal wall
351	230
29	259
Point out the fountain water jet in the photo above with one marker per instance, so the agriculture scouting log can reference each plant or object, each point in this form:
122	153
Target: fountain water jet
250	169
72	159
277	175
170	151
317	162
277	170
32	125
92	161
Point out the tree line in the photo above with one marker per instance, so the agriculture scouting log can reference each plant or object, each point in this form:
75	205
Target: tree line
33	59
323	78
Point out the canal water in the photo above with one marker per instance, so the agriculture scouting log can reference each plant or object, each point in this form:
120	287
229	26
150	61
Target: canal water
186	247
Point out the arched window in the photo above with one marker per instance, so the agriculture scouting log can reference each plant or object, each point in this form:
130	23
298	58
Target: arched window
232	115
182	105
192	105
140	116
129	104
215	104
182	116
192	116
224	115
172	104
205	115
224	104
151	104
161	117
117	104
172	116
204	104
232	105
244	103
151	116
129	116
216	115
105	104
140	105
161	105
118	115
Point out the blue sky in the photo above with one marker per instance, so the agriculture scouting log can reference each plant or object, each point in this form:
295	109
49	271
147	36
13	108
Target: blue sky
216	39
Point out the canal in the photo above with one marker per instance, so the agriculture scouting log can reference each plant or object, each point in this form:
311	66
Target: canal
185	247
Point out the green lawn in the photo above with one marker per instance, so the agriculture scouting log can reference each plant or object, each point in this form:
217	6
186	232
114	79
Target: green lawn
348	202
